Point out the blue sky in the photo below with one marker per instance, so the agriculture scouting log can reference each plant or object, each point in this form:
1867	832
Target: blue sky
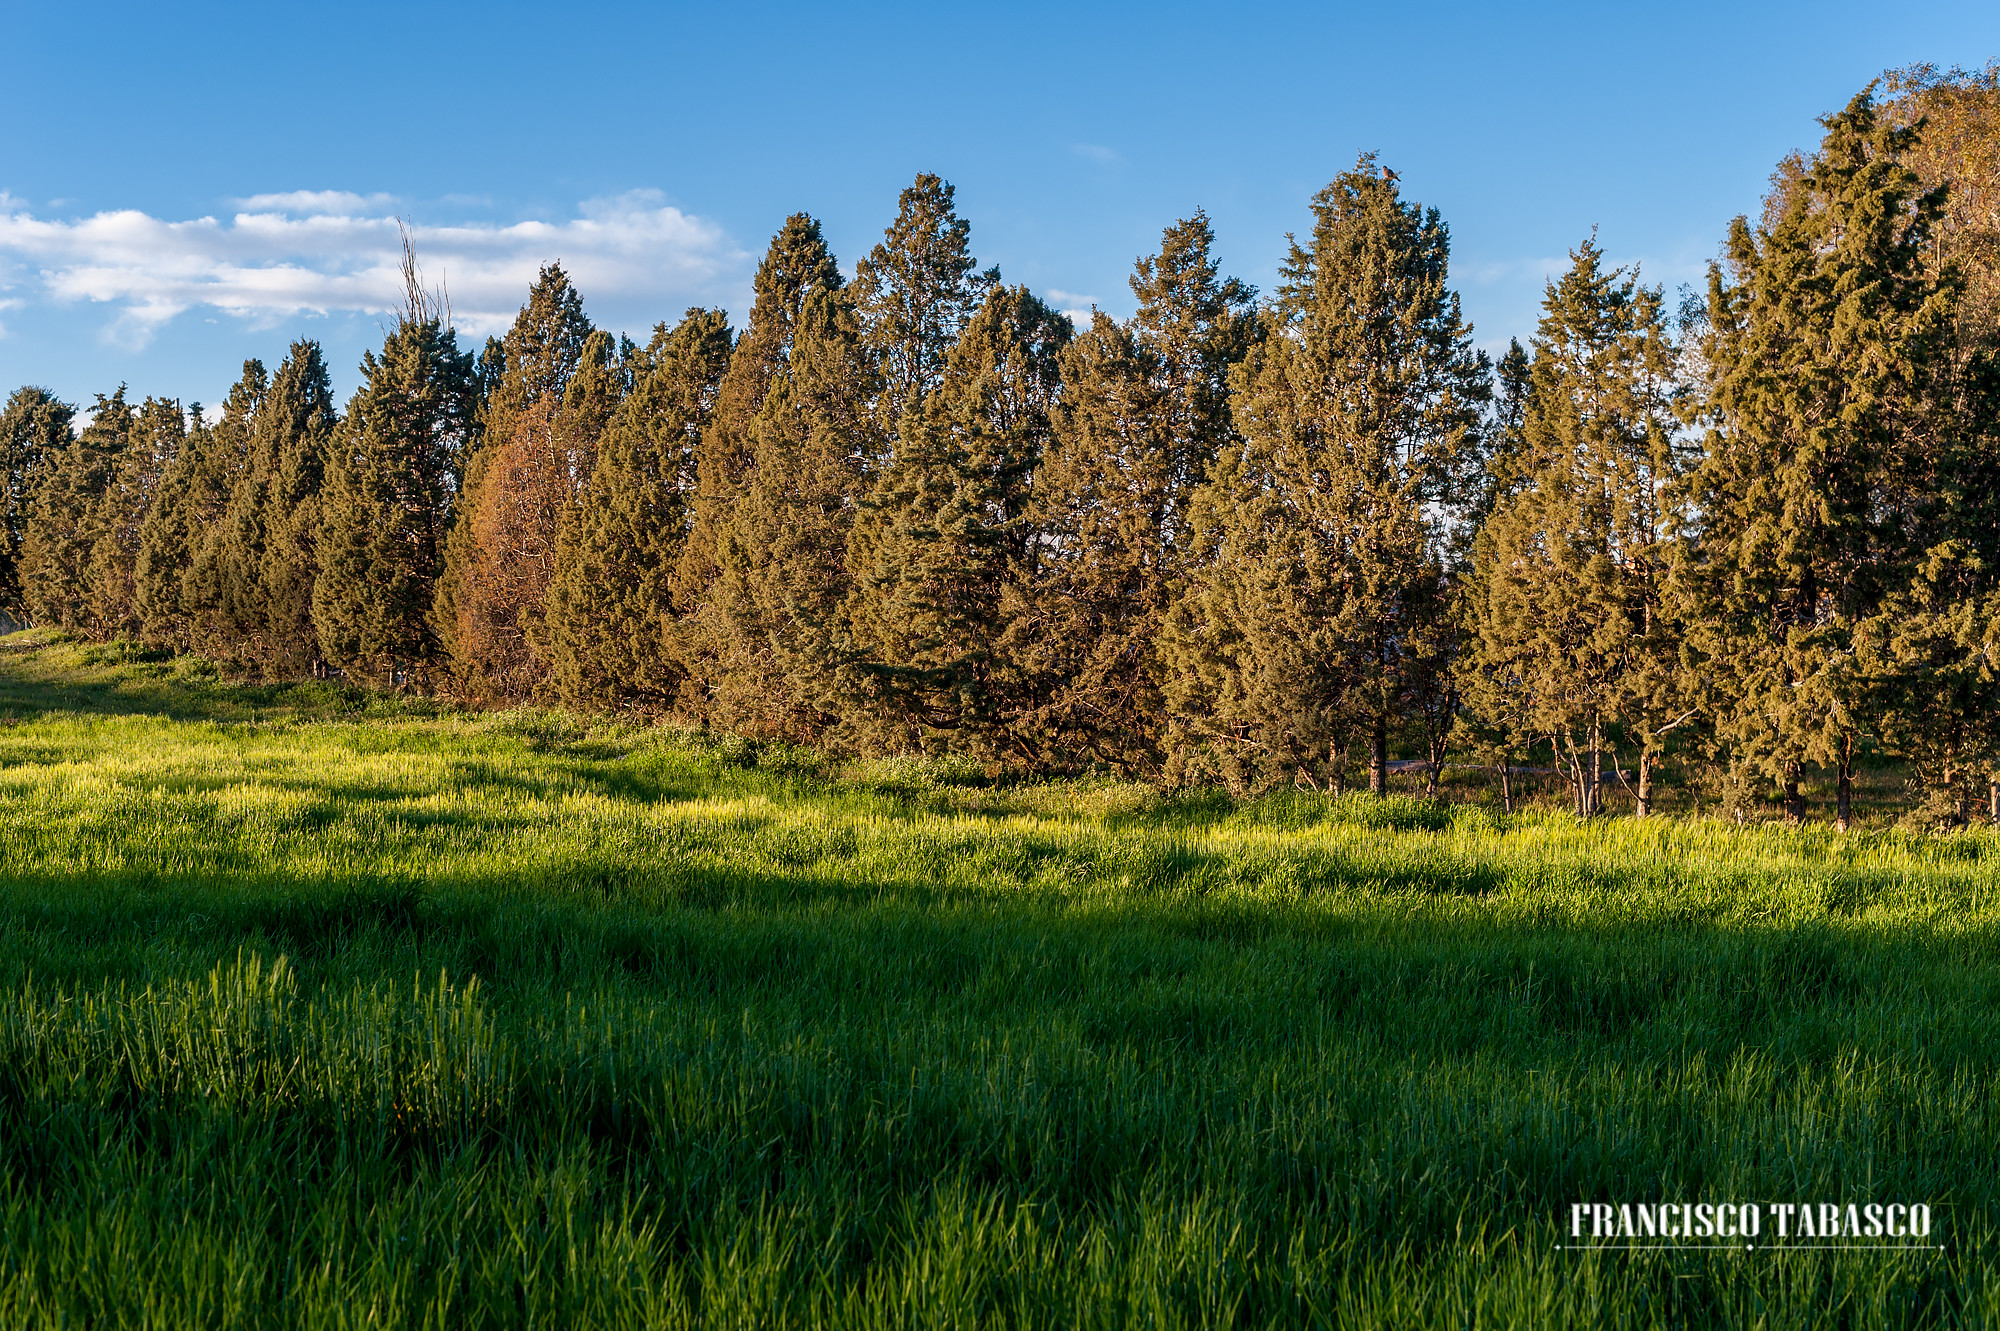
185	186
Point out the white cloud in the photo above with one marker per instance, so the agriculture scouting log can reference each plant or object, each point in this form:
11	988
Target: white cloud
1098	153
316	252
1077	308
307	202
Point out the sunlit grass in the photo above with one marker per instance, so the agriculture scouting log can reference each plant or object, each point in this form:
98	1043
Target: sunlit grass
322	1011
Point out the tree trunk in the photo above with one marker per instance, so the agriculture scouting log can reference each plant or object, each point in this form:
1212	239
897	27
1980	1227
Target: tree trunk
1378	757
1577	780
1795	804
1507	786
1843	800
1993	800
1644	806
1594	778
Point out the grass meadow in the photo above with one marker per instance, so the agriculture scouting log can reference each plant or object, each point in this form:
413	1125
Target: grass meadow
316	1012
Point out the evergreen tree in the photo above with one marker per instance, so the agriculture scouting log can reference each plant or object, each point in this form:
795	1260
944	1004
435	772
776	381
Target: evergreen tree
1568	598
34	427
796	265
941	550
517	384
916	291
531	478
255	571
295	430
609	622
774	609
387	500
1321	561
62	529
1144	413
192	493
1821	352
208	597
1932	655
152	443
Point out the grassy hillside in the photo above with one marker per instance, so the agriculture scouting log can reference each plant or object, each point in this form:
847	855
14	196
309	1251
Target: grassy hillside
322	1012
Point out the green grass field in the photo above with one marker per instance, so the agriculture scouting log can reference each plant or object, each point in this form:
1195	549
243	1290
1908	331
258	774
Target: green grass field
322	1014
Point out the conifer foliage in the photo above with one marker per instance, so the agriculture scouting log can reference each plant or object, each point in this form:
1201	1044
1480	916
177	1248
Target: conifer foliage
797	264
1728	555
519	470
1568	599
1320	561
609	625
1144	413
917	289
942	548
782	571
34	432
386	502
1825	341
68	516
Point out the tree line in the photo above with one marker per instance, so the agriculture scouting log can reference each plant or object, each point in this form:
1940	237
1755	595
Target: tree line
1754	533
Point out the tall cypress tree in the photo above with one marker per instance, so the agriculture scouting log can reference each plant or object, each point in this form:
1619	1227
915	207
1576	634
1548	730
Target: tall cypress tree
1937	644
34	432
916	290
609	621
205	586
530	480
296	426
152	443
797	264
1568	597
1822	345
387	501
774	609
1321	560
193	491
63	525
518	380
941	550
1144	413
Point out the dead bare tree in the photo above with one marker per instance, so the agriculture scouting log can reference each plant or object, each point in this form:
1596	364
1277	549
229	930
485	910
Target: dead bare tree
420	305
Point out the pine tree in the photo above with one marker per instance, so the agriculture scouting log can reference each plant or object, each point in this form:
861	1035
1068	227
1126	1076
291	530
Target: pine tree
387	500
796	265
1144	413
1320	559
916	290
1932	656
1819	350
62	527
531	478
152	442
209	587
518	384
1568	597
296	427
610	613
941	549
34	431
192	493
773	613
